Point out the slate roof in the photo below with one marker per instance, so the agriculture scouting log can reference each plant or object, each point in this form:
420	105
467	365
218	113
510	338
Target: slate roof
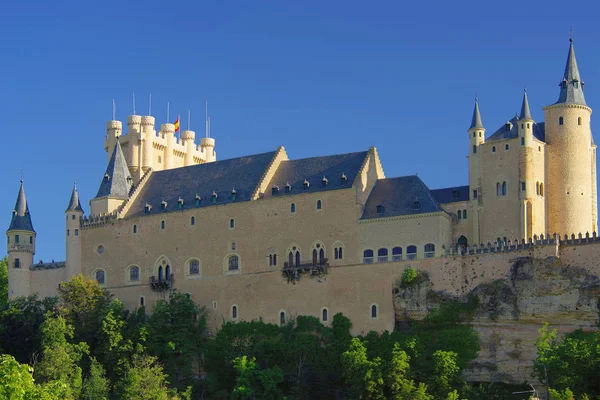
451	194
539	131
525	111
74	203
398	196
242	174
476	120
114	182
295	172
21	219
571	87
48	265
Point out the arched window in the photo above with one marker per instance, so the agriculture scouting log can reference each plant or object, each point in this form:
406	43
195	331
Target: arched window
368	256
134	273
498	189
168	273
142	301
234	312
134	229
233	263
411	252
537	188
542	188
561	121
100	277
194	267
232	223
503	188
397	253
282	318
319	204
272	260
293	208
493	149
464	214
162	224
324	316
374	311
335	252
314	256
297	258
160	273
579	121
429	250
506	147
459	214
192	220
340	253
382	255
322	256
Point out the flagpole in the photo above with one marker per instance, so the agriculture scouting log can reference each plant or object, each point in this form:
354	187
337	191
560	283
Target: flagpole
114	110
134	104
150	105
189	118
168	111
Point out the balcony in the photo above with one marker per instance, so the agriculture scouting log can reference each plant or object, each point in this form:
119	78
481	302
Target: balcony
162	284
397	257
382	259
367	260
411	256
292	271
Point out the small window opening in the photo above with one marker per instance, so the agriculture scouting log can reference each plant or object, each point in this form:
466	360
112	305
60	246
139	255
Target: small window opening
293	208
162	224
214	196
76	232
275	190
319	204
578	120
344	179
180	203
282	318
523	186
73	215
142	301
163	205
231	223
197	199
417	205
373	311
522	141
475	193
561	121
17	263
16	239
192	220
503	188
493	149
459	214
324	315
506	147
233	194
31	239
474	149
464	214
380	209
324	182
134	229
234	312
288	188
306	184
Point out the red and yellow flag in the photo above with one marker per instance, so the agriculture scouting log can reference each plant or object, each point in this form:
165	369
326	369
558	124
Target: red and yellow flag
177	124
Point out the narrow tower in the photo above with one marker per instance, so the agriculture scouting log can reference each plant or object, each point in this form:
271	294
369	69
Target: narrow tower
74	212
476	139
20	247
571	194
526	170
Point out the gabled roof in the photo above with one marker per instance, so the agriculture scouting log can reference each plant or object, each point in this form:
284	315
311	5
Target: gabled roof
115	182
571	87
21	218
539	131
451	194
74	203
243	174
397	196
314	169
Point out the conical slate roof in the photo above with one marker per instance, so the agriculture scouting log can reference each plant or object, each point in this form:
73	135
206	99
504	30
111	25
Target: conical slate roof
116	181
525	112
21	219
476	120
571	87
74	203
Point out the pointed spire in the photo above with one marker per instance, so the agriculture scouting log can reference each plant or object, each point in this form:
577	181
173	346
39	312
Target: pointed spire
116	182
74	203
21	219
525	112
571	86
476	121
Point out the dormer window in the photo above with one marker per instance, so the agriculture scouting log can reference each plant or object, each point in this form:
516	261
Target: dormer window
147	208
575	83
380	209
197	199
275	190
324	181
417	205
343	179
180	203
233	194
129	180
214	196
288	187
106	177
306	184
563	84
163	205
507	126
455	194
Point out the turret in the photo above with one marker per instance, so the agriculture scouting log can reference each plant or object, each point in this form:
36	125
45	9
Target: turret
115	186
570	185
20	247
188	138
168	133
74	212
207	146
114	129
527	181
476	139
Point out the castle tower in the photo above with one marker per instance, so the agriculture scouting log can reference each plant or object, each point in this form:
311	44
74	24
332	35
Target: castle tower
115	186
74	212
187	138
20	247
476	139
571	186
527	180
168	133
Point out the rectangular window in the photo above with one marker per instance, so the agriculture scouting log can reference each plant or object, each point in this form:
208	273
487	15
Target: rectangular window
76	232
16	239
522	141
474	194
30	239
522	185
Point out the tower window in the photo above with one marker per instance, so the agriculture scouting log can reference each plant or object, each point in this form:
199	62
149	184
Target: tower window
231	223
506	146
293	208
475	193
474	149
31	239
17	263
374	311
464	214
579	121
459	214
523	186
561	121
522	141
142	301
528	126
16	239
73	215
319	204
76	232
541	188
192	220
503	188
474	134
68	232
162	224
493	149
134	229
479	134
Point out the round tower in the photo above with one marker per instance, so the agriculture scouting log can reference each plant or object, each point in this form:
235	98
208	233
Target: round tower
188	138
74	212
527	191
114	129
570	191
207	146
476	139
20	247
168	132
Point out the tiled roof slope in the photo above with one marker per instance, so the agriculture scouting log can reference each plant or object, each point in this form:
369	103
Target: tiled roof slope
242	174
21	219
571	89
295	172
398	196
74	203
539	131
451	194
114	182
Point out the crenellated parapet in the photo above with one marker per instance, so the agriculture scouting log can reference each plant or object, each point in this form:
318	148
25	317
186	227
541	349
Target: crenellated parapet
99	220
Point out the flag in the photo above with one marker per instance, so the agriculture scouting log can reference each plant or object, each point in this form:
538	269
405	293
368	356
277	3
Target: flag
177	124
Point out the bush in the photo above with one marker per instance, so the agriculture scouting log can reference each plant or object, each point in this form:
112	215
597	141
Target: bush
409	276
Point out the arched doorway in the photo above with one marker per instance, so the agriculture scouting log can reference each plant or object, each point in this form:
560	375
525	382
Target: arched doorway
462	244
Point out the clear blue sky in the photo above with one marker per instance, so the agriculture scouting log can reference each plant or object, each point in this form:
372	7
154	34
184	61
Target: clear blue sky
318	77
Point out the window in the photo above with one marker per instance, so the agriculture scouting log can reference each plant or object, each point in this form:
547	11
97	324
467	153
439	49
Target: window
68	232
522	141
459	214
288	188
382	255
135	229
539	148
192	220
100	249
541	188
282	318
234	312
233	263
163	205
475	194
194	267
528	126
479	134
319	204
397	253
380	209
338	253
464	214
294	257
272	260
100	278
160	274
76	234
306	184
73	215
16	239
368	256
523	186
142	301
474	149
506	147
411	252
498	189
493	149
231	223
162	225
537	188
429	250
417	205
474	134
561	121
168	273
503	188
374	311
31	239
17	263
293	208
579	121
274	190
134	273
324	316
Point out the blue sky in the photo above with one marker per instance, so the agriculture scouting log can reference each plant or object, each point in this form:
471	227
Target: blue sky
318	77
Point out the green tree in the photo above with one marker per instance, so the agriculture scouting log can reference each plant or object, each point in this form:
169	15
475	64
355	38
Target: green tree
446	372
16	380
255	383
59	357
364	377
3	282
401	387
96	385
144	380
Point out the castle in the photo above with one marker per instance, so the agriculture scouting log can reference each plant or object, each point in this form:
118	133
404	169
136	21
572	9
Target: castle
263	236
